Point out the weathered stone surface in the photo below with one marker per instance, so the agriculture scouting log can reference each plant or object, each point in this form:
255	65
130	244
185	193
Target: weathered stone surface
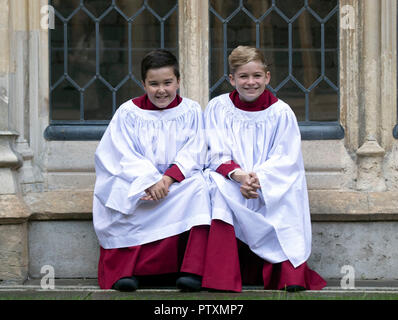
67	156
72	181
327	201
58	205
325	205
346	202
317	156
193	49
70	247
13	252
9	159
13	209
383	202
370	171
324	180
369	247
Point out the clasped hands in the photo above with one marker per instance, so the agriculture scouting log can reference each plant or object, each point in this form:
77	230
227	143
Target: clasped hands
159	190
249	183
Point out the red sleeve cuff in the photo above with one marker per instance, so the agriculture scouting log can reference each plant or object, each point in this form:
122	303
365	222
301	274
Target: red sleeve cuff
175	173
227	167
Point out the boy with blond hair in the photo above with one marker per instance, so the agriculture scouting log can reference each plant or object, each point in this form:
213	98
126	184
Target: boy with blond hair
261	228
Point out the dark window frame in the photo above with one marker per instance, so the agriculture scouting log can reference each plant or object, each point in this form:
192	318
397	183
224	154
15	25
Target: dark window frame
82	130
310	130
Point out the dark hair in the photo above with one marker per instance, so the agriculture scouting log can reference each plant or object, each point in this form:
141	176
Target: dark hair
158	59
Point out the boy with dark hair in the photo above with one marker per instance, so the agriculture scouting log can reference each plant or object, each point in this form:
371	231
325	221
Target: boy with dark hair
151	207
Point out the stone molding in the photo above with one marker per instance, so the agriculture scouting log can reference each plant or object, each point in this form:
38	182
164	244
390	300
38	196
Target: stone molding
325	205
370	154
337	205
60	205
13	209
194	49
8	157
10	161
368	88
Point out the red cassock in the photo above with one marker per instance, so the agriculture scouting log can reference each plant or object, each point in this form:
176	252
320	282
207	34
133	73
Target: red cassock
225	262
229	262
180	253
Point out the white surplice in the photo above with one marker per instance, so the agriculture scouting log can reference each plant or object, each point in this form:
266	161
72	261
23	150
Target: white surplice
137	148
276	226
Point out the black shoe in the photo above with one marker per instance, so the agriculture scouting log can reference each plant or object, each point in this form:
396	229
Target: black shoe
126	284
189	283
294	288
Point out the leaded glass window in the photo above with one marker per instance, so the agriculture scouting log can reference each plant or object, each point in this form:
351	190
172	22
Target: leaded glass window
300	40
96	49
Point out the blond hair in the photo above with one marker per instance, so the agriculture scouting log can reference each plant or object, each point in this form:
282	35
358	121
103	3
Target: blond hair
242	55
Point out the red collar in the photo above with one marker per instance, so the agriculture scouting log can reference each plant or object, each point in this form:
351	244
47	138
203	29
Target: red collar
265	100
143	102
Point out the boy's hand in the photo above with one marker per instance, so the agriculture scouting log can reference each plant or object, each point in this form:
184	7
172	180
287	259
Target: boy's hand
249	183
168	181
159	190
255	182
156	192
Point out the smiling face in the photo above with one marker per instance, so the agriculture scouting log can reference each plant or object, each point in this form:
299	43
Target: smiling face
161	86
250	80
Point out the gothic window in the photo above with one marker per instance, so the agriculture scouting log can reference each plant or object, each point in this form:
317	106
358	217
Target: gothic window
96	49
300	41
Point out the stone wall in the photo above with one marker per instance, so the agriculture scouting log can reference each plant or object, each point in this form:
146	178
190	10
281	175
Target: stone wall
369	247
353	182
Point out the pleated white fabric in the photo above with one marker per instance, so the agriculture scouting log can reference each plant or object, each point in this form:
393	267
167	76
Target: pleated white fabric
277	225
136	149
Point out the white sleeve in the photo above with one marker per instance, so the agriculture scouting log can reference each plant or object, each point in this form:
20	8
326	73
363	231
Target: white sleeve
282	175
219	151
122	173
192	156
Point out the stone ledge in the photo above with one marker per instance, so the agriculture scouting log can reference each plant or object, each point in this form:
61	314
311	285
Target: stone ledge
352	202
325	205
60	205
344	206
353	217
13	209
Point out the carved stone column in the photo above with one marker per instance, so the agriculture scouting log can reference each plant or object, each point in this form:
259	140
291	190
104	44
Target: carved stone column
13	211
9	161
370	154
25	95
194	49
